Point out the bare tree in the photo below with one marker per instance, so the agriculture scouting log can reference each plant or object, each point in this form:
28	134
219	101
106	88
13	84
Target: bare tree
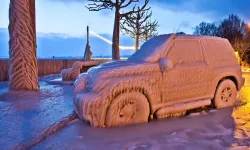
234	29
98	5
23	71
209	29
150	30
243	49
133	24
248	34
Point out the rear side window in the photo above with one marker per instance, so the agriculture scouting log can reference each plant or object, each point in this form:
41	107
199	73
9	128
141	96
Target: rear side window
185	51
219	52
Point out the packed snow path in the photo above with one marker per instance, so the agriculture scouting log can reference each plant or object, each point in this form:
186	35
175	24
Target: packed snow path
25	115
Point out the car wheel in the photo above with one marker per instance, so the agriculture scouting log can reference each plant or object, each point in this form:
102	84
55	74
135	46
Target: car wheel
127	108
225	94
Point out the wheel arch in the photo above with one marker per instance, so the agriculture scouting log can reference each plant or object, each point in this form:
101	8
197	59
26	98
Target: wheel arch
232	78
219	80
145	90
217	103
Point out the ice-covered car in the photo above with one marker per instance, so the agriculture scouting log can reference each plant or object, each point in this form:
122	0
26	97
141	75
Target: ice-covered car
167	76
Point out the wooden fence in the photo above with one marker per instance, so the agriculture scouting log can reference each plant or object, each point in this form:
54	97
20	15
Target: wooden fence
45	66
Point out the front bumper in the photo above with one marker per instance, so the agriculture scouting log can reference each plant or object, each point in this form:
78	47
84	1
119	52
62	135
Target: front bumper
90	108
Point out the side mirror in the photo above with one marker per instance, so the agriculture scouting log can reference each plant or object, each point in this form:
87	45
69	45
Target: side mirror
165	64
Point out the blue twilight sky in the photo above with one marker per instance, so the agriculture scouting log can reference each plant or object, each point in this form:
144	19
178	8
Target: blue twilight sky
61	24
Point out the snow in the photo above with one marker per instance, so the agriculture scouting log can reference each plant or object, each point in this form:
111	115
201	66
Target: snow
165	64
153	49
55	79
24	115
59	81
55	65
80	83
187	74
212	131
23	72
102	84
70	74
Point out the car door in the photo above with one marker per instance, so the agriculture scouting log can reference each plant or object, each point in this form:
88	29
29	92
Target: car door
190	74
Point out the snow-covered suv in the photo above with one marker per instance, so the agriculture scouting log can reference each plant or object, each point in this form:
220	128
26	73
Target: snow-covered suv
167	76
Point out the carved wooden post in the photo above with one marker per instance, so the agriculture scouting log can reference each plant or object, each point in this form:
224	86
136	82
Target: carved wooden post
88	53
23	72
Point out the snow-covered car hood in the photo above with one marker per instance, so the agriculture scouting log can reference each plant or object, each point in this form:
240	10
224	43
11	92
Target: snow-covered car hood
103	74
154	49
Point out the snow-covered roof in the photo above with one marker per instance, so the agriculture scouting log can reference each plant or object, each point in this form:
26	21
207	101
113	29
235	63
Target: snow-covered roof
152	49
156	47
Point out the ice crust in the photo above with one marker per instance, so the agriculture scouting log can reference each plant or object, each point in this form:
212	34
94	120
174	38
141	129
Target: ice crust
74	72
23	72
167	70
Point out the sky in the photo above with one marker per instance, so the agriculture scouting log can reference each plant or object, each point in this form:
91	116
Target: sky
68	18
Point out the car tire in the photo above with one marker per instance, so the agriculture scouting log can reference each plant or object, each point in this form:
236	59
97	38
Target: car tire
225	95
127	108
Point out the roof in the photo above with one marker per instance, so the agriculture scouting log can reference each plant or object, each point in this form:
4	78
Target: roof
187	36
156	47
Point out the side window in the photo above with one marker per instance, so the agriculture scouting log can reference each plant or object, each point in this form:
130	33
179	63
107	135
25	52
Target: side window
185	51
219	52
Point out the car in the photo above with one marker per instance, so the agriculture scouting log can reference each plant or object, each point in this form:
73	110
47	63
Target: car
167	76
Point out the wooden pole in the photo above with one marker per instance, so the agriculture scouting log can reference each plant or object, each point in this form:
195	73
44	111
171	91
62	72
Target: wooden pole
88	35
88	53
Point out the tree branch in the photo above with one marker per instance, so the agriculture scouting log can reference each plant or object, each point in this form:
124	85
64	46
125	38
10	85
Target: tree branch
147	16
98	5
131	1
135	11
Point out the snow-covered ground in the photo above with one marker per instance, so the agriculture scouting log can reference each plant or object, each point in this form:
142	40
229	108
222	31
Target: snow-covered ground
209	131
227	128
23	115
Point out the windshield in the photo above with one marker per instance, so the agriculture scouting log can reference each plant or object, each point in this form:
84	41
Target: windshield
150	48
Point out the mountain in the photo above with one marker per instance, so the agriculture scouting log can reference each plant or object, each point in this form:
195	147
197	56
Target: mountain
57	45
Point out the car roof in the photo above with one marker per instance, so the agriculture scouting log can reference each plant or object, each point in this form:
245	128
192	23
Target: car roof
156	47
188	36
